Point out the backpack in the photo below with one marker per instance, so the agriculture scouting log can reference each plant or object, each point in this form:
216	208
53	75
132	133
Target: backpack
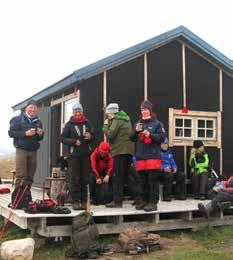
84	236
135	241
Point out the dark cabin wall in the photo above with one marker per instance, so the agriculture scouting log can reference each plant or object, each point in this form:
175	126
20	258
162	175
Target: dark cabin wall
202	83
165	86
91	97
227	125
125	86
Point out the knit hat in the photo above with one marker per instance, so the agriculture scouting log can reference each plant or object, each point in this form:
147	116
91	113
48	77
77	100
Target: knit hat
77	106
32	102
197	144
112	108
104	147
146	104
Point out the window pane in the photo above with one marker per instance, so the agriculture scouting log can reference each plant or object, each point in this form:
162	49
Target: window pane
209	133
179	122
179	132
187	132
209	124
187	123
201	123
201	133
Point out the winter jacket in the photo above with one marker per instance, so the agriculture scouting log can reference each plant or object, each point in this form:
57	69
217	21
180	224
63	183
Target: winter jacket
148	148
199	162
225	186
18	126
118	132
101	164
168	160
75	131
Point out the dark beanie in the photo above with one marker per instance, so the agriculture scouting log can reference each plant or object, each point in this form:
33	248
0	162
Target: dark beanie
197	143
32	102
147	105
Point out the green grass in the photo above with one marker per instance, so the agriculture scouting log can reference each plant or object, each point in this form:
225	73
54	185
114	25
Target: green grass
214	238
211	243
202	255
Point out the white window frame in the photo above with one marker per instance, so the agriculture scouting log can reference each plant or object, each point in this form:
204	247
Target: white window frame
183	127
214	128
195	116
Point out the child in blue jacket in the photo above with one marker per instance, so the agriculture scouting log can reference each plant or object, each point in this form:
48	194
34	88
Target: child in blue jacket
171	174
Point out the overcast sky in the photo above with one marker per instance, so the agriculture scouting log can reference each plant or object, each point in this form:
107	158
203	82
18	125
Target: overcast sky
44	41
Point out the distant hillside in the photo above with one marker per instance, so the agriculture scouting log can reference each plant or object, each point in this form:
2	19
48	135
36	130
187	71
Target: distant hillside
7	154
6	165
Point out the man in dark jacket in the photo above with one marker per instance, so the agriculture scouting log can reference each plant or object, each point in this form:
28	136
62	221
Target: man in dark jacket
78	135
117	128
26	130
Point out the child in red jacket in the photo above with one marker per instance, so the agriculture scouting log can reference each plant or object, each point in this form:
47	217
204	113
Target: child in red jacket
101	164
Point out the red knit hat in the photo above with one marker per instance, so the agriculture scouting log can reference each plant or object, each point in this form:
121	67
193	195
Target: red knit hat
104	147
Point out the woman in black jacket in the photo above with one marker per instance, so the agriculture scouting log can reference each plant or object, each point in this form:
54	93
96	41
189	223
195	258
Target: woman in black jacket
78	135
148	136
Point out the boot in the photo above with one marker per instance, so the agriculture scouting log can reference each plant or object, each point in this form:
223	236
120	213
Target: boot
139	205
205	210
150	207
180	197
167	198
113	204
223	205
77	205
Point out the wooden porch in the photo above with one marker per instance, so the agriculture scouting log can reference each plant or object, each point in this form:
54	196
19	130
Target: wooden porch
169	216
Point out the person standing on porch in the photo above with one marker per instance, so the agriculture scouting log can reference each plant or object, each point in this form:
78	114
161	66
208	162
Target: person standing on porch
78	135
27	132
148	136
118	129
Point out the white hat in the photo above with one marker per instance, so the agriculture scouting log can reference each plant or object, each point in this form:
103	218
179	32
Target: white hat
112	108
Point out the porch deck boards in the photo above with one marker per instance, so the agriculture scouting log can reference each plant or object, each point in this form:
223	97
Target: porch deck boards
169	216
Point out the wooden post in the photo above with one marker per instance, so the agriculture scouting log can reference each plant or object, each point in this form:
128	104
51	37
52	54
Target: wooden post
62	124
184	75
220	123
145	77
104	97
184	98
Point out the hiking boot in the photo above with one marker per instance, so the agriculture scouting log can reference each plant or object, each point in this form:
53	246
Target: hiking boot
140	205
77	205
150	207
202	197
205	210
180	197
113	204
167	198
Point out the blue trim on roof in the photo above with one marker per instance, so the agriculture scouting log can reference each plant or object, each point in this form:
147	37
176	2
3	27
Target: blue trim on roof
128	54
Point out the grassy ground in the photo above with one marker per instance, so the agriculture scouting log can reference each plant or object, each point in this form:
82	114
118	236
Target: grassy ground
205	244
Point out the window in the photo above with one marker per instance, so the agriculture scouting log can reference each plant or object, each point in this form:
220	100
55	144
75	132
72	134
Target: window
184	128
206	128
68	108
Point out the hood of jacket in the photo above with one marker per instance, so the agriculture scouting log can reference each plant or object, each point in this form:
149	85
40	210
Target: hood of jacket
121	115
